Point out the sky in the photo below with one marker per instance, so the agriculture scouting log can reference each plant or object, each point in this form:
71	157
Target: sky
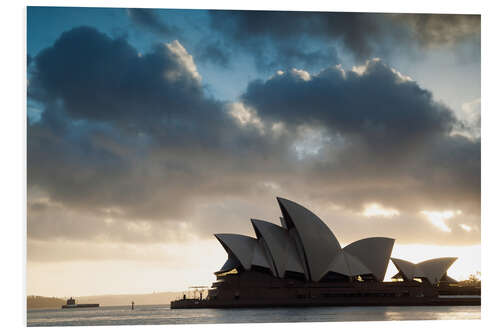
149	130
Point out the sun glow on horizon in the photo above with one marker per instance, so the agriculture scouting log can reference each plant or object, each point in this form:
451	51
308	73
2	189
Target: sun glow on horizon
193	263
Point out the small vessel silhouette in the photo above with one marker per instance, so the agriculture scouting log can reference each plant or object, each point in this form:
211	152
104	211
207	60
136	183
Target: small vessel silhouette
71	303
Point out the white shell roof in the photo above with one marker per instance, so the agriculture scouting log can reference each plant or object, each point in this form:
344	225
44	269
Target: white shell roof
348	265
259	256
230	263
433	269
279	243
293	263
408	269
318	242
374	253
240	246
306	245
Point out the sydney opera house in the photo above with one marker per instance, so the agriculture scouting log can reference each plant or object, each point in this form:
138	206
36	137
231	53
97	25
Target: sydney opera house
302	263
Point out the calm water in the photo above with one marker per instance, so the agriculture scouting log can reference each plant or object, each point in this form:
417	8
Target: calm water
162	314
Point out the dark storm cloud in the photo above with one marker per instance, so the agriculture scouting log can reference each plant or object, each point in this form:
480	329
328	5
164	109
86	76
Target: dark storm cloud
128	147
441	29
392	133
273	38
105	79
149	19
375	106
363	34
293	54
96	80
105	104
130	134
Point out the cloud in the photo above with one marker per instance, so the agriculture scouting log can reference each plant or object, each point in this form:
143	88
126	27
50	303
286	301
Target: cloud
184	60
393	140
150	20
279	37
127	137
465	227
105	104
469	119
105	79
272	38
245	116
128	149
375	209
374	107
441	29
438	219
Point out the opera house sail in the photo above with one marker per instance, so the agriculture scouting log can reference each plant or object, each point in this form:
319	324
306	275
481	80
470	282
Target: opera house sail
301	263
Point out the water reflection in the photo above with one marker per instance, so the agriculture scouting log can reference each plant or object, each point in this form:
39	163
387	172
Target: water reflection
162	314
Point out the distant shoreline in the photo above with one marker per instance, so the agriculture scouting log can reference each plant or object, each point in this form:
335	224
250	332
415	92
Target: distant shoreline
43	302
101	306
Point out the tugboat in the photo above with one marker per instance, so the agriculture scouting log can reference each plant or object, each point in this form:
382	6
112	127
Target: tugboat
71	303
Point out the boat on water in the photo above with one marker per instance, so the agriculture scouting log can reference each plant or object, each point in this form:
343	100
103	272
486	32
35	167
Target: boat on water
71	304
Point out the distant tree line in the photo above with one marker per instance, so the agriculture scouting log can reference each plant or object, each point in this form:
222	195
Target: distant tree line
474	280
41	302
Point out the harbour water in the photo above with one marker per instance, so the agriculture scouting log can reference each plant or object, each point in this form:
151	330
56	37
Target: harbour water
163	315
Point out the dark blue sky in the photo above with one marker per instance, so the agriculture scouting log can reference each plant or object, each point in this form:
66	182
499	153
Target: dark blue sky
190	27
227	67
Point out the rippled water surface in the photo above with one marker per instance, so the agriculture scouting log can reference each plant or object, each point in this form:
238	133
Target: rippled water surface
162	315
